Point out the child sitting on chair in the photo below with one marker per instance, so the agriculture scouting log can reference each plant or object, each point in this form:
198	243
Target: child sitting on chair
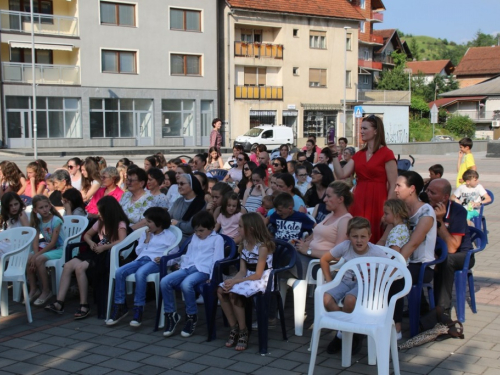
359	233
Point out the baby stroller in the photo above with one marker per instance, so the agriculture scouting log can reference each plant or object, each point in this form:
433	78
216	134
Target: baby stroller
405	164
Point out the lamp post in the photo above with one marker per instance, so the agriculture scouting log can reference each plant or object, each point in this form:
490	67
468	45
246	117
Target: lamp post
35	149
409	71
345	79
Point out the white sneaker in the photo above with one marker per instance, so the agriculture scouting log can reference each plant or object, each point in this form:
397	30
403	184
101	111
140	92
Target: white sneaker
199	300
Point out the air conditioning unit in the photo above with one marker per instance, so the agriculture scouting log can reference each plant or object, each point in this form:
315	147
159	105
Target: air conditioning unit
495	124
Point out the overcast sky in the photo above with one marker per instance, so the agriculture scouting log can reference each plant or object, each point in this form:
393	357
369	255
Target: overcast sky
455	20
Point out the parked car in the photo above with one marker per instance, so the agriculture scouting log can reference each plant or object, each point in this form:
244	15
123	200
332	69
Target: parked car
271	135
442	138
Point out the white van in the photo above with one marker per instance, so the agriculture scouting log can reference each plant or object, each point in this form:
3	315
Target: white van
272	136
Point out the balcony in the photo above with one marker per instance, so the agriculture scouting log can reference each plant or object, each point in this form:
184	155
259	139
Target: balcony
384	96
475	115
258	92
377	17
43	23
44	73
371	39
369	64
258	50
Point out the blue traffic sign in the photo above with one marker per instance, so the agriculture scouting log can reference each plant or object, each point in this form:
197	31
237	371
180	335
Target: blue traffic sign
358	111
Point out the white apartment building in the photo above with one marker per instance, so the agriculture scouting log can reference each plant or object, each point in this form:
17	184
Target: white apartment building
109	73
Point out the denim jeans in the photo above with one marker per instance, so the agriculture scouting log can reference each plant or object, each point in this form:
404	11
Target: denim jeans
142	267
187	278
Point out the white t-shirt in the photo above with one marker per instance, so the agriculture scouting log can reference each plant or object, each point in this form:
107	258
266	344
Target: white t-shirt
425	251
467	194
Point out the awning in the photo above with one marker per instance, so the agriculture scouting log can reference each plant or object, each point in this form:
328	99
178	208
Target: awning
58	47
321	107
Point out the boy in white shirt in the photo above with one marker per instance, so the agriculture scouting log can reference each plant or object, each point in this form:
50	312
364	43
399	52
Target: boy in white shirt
471	194
152	244
196	267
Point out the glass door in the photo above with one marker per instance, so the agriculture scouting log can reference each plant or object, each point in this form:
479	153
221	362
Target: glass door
19	129
144	123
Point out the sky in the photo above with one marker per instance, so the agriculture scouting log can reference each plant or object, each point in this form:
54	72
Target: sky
455	20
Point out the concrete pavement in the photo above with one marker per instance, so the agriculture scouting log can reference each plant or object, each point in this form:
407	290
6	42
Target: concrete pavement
55	344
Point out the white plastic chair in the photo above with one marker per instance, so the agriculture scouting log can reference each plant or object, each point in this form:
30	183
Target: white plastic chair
15	270
114	261
372	315
300	287
72	228
155	277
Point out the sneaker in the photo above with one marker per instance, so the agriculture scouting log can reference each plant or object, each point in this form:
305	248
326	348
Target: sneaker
137	321
199	300
271	324
190	325
171	320
334	346
119	312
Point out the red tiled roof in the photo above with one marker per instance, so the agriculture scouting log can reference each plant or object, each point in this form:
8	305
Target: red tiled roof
429	67
386	33
324	8
447	101
480	60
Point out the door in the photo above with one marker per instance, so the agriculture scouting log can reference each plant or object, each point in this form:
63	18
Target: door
19	129
144	123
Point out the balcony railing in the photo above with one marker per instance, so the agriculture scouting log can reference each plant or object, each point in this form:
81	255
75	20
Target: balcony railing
383	96
369	64
377	17
43	23
259	92
265	50
474	114
44	73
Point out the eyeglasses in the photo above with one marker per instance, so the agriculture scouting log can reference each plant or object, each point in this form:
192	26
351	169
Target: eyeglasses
241	159
246	169
302	175
314	171
71	166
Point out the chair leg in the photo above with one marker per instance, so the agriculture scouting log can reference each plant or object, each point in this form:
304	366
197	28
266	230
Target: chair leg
372	356
383	350
299	305
283	290
432	302
281	310
262	307
16	291
460	287
472	292
485	229
53	280
346	348
210	300
4	299
314	347
58	272
110	297
394	350
159	322
27	304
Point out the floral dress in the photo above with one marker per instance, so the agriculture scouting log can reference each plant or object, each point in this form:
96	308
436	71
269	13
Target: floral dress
135	210
250	287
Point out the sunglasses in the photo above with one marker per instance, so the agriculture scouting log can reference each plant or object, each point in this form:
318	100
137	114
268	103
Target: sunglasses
71	166
241	159
246	169
315	172
300	161
301	175
277	165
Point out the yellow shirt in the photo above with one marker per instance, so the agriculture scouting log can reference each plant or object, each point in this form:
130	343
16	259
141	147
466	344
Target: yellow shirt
467	163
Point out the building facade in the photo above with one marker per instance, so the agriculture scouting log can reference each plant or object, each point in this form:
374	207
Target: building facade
109	73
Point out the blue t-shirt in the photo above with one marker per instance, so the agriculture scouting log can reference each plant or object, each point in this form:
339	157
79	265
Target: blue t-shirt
47	229
291	228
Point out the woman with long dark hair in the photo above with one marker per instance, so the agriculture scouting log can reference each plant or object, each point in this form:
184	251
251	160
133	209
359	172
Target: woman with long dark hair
321	177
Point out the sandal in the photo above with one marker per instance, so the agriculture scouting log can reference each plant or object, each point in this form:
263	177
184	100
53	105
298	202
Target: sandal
242	340
233	334
82	314
52	307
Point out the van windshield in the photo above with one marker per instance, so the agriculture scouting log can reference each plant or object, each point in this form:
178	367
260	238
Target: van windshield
253	132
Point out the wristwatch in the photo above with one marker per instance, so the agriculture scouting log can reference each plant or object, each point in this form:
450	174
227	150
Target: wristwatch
309	251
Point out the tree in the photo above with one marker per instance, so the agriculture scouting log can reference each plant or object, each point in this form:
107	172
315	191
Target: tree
483	40
414	49
395	79
460	125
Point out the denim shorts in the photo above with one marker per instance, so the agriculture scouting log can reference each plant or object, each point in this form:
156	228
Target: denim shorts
346	286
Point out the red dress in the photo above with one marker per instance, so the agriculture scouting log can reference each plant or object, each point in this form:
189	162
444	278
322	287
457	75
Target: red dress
371	188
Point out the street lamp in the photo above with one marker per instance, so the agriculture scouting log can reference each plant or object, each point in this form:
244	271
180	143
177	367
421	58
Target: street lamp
409	71
35	149
345	77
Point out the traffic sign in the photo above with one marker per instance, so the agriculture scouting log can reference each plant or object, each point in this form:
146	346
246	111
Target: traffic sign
358	111
434	114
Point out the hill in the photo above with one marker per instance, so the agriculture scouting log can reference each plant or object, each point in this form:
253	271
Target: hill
429	48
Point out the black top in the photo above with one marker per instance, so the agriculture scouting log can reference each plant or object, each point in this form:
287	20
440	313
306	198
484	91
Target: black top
455	221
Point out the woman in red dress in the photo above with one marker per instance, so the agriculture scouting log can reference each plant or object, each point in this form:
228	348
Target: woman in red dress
376	173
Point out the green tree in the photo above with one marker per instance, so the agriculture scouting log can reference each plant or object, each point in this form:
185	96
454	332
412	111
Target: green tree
462	126
415	50
483	40
395	79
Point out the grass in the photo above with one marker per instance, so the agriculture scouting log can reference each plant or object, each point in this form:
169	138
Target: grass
421	131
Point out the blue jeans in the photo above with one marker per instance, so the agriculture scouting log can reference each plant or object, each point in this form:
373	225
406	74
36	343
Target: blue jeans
187	279
142	267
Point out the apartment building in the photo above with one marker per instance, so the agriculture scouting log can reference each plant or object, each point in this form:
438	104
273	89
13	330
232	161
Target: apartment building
109	73
288	63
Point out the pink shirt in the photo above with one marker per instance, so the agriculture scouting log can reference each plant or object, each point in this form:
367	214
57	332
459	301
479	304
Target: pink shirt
27	191
229	225
92	206
325	236
101	234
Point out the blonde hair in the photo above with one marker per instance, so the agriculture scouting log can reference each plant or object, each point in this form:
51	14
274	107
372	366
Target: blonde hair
398	208
253	226
34	220
358	223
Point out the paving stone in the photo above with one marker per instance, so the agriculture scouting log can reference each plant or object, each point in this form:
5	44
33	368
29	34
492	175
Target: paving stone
191	368
135	356
442	371
214	361
67	353
150	370
53	371
246	368
265	371
184	355
451	364
68	365
218	371
106	340
195	347
108	350
17	355
24	368
163	362
283	364
95	370
131	345
93	359
41	359
120	364
158	350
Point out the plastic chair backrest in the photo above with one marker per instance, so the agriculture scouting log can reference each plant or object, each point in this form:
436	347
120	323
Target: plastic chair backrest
492	196
375	276
284	257
115	250
20	243
178	238
478	238
218	173
310	210
73	227
393	253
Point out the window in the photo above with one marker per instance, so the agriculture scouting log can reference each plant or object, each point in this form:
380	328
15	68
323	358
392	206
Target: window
251	36
366	54
117	14
185	65
295	71
296	33
178	118
185	20
39	6
362	26
255	76
262	118
317	39
117	118
317	77
348	42
207	115
348	79
362	4
23	55
366	79
119	61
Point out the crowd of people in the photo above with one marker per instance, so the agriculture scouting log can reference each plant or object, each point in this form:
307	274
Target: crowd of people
330	202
